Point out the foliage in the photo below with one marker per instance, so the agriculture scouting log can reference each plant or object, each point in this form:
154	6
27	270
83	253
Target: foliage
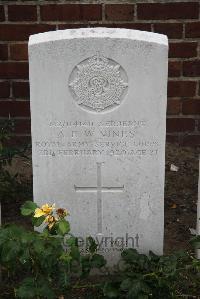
7	153
11	184
45	262
48	264
151	276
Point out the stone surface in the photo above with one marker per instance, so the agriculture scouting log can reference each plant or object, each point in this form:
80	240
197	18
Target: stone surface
98	108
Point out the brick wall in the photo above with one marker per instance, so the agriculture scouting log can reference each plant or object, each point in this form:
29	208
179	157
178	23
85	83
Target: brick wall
180	20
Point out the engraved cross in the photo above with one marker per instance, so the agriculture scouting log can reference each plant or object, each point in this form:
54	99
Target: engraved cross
99	189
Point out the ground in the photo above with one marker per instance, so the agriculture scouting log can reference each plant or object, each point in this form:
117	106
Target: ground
181	189
181	194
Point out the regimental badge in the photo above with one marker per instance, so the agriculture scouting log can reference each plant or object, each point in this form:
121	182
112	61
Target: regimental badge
98	84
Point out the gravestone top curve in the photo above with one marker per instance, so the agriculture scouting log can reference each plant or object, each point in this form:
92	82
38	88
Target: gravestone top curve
98	33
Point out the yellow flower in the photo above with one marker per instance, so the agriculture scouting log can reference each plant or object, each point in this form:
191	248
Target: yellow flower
38	213
45	210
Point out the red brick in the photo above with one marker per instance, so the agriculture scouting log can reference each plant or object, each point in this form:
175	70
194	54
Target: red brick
191	107
72	26
192	29
71	12
4	89
174	69
191	68
20	89
191	140
2	14
119	12
172	30
19	52
14	108
173	107
172	138
23	126
14	70
11	32
19	141
180	125
165	11
22	13
20	109
4	108
181	88
3	52
183	50
137	26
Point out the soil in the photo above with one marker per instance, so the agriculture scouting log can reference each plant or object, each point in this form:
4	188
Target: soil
181	195
181	192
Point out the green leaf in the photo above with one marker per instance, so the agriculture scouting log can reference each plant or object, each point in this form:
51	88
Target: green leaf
72	241
92	245
153	256
45	233
25	257
10	251
26	289
28	238
195	242
39	246
126	284
38	221
130	255
32	288
64	279
75	253
63	227
85	265
28	208
45	291
98	261
65	257
142	296
110	290
138	288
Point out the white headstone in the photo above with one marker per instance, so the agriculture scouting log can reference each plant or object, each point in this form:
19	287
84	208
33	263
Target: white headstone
98	108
